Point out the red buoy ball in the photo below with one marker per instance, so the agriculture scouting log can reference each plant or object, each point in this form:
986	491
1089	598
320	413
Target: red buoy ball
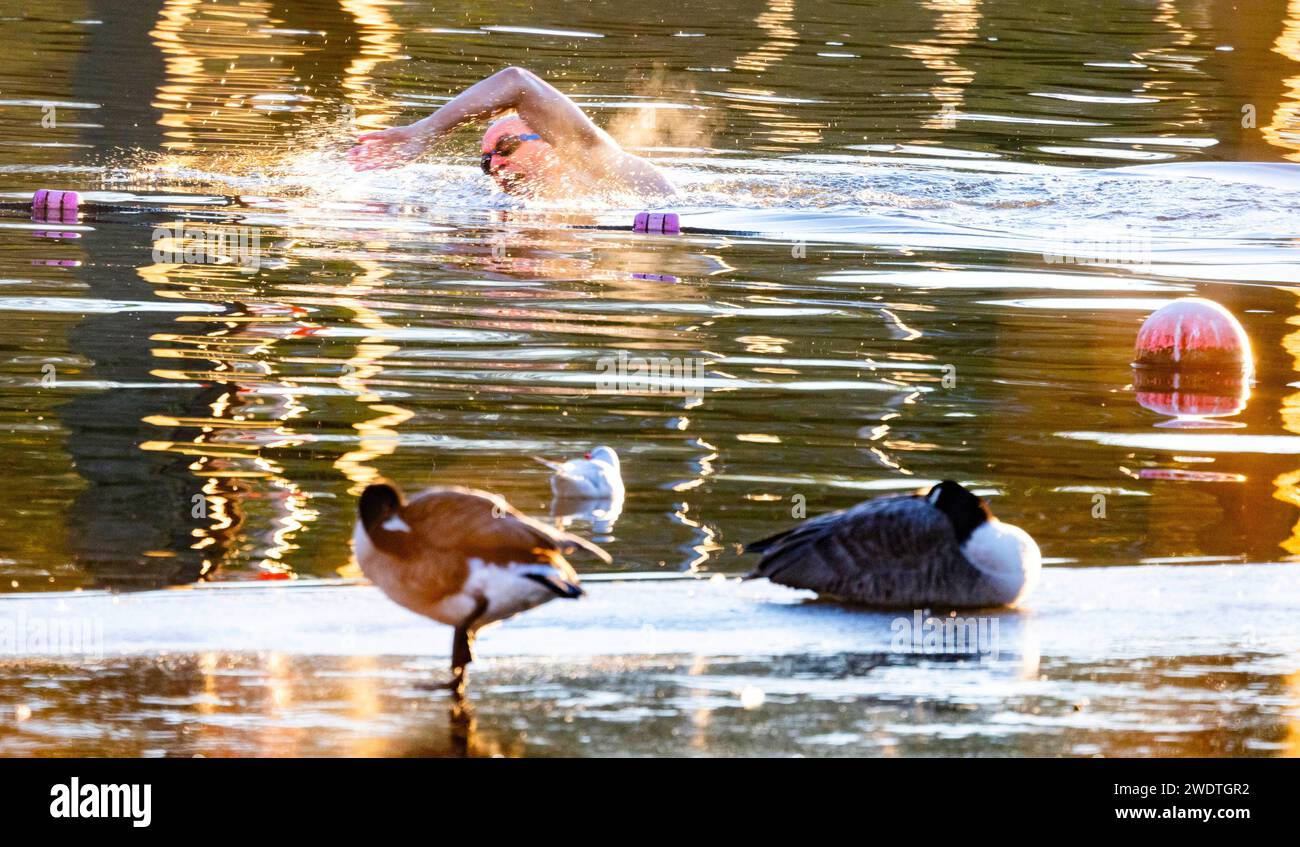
1193	333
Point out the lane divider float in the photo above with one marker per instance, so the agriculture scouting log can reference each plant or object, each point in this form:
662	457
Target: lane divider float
54	205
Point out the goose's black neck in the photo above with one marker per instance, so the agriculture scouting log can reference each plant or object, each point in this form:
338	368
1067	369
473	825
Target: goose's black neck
966	511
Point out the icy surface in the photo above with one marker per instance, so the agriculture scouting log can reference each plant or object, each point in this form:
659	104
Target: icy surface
1083	613
1128	661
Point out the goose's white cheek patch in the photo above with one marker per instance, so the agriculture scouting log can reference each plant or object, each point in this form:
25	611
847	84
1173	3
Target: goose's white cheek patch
396	524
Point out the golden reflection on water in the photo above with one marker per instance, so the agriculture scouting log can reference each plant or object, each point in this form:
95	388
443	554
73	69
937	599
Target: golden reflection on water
218	60
1292	742
779	40
380	44
223	71
377	435
364	705
1168	14
232	67
701	718
956	26
1287	485
779	37
1160	83
245	421
1283	129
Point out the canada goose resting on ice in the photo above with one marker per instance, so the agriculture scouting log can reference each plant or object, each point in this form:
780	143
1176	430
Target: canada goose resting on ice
462	557
942	549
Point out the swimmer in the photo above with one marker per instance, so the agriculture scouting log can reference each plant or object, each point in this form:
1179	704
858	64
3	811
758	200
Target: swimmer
541	144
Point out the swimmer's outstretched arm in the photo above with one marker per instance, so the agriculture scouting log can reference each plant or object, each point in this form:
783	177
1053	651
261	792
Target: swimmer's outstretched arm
555	117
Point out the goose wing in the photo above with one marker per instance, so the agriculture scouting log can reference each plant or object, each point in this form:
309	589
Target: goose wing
483	525
884	550
786	537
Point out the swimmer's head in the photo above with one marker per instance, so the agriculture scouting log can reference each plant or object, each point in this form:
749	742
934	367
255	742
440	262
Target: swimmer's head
513	154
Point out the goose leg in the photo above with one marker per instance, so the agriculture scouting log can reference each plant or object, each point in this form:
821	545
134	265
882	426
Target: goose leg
462	647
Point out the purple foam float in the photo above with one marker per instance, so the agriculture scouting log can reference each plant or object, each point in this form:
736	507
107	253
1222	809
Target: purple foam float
50	204
665	223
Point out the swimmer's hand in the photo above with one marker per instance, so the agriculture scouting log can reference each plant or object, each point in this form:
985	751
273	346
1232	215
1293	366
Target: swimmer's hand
387	148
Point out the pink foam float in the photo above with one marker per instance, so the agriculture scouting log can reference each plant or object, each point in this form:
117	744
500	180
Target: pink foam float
665	223
54	205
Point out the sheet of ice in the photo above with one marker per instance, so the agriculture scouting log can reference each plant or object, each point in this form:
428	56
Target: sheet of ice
1084	614
1130	661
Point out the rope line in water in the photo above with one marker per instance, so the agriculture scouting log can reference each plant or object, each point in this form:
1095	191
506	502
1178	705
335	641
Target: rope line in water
658	223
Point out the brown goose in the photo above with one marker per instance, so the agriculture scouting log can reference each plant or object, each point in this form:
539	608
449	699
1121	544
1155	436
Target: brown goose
943	548
462	557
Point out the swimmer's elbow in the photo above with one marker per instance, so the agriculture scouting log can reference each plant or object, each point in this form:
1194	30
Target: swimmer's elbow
518	79
553	114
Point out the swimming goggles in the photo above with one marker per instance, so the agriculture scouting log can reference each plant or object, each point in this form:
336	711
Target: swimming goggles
505	145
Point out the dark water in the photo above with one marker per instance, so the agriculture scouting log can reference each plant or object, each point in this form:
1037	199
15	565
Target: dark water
907	166
907	170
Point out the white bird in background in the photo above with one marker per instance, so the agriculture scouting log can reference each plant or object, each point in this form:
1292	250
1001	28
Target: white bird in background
594	477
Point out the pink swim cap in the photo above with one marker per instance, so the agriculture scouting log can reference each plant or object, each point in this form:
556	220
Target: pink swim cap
522	158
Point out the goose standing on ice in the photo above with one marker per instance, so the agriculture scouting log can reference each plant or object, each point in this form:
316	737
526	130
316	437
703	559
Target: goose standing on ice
942	549
462	557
